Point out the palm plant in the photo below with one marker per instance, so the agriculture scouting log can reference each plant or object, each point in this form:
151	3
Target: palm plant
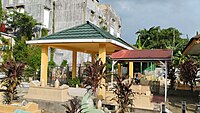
94	74
14	72
124	94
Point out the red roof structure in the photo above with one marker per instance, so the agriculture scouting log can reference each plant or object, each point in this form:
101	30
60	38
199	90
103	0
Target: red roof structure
143	55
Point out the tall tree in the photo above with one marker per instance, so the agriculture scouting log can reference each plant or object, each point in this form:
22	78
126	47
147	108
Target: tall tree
156	38
22	24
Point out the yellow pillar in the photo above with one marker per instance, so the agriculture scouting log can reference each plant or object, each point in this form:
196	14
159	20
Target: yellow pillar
131	69
102	55
119	69
44	64
74	62
93	57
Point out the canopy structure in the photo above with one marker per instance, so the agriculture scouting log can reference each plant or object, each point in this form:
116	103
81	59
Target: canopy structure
87	38
143	55
161	55
193	47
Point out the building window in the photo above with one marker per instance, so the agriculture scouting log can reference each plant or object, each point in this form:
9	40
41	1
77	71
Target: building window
46	18
10	1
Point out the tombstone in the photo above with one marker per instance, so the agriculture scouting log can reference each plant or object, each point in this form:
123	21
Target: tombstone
57	83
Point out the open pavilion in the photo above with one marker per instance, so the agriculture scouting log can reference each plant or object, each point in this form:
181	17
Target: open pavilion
162	56
87	38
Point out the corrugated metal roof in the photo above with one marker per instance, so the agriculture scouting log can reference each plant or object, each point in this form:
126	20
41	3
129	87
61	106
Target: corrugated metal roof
84	31
156	54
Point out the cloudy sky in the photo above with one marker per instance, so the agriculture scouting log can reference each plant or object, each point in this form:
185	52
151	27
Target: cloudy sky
138	14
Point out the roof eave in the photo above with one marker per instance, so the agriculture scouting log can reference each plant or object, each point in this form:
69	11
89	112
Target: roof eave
152	59
40	42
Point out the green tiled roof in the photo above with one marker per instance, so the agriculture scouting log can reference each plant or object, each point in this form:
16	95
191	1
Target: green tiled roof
84	31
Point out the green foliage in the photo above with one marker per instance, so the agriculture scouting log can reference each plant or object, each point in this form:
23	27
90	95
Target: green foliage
14	72
52	64
22	24
31	55
74	82
156	38
44	32
188	72
6	49
64	63
124	94
178	59
94	73
20	51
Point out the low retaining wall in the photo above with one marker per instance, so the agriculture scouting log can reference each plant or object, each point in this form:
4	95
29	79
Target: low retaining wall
30	107
48	93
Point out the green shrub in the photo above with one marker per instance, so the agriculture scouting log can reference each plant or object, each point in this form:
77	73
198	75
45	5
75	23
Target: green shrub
74	82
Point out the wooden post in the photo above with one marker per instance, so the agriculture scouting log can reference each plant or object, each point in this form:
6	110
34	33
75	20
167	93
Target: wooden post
119	69
74	62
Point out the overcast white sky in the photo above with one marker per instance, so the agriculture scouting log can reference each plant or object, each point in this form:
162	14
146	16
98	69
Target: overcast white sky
138	14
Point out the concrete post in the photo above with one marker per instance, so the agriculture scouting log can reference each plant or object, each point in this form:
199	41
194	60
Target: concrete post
131	69
102	55
44	65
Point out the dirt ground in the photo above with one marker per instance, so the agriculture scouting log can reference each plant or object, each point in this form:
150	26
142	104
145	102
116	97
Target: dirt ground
175	98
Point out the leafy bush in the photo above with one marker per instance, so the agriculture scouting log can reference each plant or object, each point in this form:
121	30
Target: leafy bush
14	72
188	72
94	73
74	82
124	94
